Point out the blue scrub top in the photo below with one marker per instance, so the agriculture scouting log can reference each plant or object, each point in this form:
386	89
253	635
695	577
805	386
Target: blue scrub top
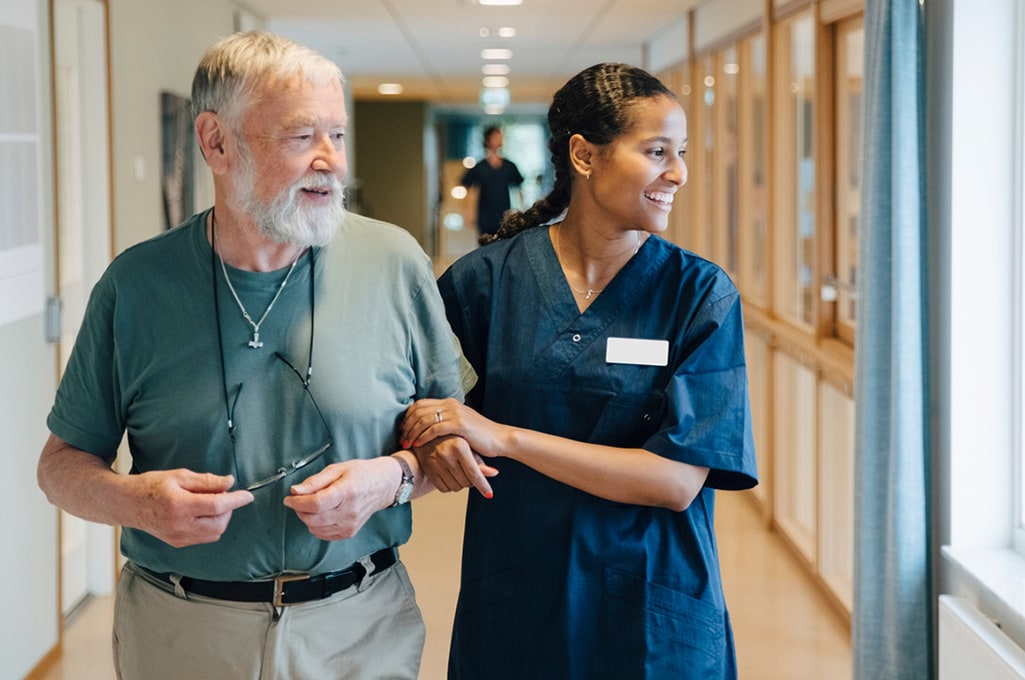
557	583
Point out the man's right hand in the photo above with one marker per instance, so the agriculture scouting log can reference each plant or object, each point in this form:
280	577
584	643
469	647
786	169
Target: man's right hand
183	508
180	507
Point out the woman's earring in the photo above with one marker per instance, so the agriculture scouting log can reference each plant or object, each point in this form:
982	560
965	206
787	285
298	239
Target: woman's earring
588	175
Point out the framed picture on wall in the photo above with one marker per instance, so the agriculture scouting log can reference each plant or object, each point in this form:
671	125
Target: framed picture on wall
177	180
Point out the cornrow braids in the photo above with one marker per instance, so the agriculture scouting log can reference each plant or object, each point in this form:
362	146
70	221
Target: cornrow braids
540	213
597	104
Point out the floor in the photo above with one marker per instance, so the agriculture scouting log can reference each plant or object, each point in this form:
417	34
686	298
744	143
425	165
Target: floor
783	627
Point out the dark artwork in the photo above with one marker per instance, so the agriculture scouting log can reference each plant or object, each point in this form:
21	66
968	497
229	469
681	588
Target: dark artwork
178	159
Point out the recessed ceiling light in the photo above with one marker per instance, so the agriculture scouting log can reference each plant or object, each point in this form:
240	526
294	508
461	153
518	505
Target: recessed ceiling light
495	69
495	53
389	88
507	32
495	81
484	31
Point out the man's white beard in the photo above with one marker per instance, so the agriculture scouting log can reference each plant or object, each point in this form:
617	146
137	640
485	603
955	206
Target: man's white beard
287	220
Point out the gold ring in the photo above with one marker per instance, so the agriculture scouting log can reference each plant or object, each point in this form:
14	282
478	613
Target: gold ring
437	416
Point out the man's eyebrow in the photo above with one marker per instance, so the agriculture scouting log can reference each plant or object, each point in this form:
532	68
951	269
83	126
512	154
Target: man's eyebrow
298	122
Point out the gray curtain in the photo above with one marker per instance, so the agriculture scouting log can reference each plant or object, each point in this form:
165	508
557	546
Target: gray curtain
892	619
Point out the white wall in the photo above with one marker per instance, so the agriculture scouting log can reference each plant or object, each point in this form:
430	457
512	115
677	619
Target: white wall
28	618
155	46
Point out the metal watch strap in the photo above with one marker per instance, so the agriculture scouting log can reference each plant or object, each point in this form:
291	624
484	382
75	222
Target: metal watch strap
406	485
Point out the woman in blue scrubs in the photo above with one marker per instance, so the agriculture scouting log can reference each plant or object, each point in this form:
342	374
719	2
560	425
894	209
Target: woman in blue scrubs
612	398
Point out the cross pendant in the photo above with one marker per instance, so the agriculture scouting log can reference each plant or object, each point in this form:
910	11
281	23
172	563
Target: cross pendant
255	342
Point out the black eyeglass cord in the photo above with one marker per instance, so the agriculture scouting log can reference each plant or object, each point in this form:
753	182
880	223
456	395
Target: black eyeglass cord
230	410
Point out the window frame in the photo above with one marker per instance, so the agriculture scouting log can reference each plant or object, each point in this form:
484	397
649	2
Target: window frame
1018	311
975	243
844	289
789	250
755	265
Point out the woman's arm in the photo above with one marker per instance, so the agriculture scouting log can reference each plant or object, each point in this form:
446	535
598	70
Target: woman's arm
624	475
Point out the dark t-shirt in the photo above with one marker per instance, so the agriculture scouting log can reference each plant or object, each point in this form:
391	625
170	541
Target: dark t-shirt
494	184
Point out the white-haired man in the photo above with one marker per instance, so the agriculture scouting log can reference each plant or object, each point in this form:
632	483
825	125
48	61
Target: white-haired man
266	499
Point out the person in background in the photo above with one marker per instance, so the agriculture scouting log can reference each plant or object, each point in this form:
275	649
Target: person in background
612	396
266	500
493	177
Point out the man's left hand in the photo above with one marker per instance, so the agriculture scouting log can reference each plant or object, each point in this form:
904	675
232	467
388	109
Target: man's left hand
336	502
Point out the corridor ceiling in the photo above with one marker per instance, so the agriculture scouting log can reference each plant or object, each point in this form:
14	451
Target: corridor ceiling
433	47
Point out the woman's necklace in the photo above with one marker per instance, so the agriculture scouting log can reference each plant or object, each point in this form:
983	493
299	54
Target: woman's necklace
590	292
255	342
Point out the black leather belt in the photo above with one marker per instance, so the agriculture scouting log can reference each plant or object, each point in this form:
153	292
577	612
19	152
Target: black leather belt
286	588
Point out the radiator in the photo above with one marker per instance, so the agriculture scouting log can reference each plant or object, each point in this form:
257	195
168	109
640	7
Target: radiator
972	647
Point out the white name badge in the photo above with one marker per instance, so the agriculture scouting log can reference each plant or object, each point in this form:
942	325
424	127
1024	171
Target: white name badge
637	352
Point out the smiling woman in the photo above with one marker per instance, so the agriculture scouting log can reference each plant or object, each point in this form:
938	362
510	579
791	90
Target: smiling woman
592	554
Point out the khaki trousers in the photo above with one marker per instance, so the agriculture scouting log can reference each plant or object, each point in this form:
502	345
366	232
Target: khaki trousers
371	631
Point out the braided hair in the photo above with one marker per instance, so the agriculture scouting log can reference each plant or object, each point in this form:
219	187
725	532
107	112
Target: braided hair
596	103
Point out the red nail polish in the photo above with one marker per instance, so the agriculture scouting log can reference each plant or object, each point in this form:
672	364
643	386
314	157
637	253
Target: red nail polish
489	495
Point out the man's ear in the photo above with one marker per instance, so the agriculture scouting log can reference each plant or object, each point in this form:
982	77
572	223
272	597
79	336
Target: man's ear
210	133
581	152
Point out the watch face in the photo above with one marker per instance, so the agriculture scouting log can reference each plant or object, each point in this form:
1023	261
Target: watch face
405	489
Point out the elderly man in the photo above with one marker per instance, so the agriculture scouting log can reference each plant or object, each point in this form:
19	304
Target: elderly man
266	499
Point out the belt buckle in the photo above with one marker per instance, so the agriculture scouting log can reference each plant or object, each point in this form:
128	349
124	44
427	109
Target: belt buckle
279	587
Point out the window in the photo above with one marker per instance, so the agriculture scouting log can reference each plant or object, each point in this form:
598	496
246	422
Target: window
677	79
850	53
702	143
976	254
753	227
727	68
795	289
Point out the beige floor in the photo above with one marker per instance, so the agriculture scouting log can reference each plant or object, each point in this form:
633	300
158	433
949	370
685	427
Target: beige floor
783	628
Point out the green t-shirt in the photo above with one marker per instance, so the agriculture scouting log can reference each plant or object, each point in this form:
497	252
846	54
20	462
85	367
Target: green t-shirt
146	362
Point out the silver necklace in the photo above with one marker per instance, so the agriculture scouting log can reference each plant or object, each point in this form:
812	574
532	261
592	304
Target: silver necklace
590	292
255	342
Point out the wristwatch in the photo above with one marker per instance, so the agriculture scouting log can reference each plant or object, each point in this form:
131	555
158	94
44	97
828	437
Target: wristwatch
405	489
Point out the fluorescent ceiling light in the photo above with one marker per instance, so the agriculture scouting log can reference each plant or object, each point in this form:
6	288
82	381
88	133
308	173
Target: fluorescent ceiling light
389	88
495	53
495	69
500	2
495	81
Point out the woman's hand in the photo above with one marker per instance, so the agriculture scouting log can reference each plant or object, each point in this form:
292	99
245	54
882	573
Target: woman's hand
429	419
451	465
